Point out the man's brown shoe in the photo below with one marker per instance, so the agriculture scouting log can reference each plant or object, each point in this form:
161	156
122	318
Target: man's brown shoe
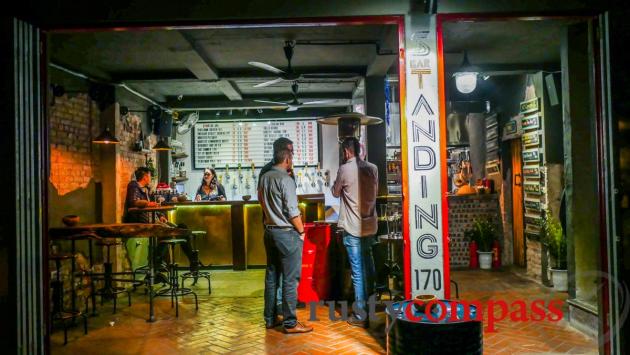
299	328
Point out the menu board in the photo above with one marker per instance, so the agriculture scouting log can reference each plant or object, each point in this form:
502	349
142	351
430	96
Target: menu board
218	144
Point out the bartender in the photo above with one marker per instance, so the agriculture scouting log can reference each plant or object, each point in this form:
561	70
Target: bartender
210	189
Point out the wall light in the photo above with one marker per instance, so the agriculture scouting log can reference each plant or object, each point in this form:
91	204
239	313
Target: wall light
466	76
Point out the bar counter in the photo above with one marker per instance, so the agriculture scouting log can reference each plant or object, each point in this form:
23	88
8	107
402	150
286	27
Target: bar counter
233	229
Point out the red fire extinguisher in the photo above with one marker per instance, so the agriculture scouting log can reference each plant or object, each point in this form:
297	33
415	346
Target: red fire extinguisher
496	255
474	257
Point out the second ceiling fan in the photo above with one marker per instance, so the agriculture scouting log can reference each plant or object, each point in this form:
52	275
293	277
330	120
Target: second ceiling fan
295	103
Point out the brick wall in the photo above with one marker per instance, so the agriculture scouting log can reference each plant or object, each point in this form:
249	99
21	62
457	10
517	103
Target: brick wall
74	168
462	210
128	160
73	122
533	255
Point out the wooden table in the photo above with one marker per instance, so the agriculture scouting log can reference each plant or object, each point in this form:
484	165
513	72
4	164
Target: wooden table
125	230
152	210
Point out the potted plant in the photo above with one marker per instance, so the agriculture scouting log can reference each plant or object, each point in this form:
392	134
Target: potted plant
483	234
552	235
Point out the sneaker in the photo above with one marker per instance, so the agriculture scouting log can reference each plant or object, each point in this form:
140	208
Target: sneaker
299	328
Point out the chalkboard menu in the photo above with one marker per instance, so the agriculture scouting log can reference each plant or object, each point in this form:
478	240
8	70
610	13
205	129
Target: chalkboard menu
219	144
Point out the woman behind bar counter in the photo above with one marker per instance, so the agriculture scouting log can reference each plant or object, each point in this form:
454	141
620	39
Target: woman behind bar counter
210	189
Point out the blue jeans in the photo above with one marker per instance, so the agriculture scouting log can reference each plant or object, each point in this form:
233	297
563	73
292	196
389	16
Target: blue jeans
284	259
361	265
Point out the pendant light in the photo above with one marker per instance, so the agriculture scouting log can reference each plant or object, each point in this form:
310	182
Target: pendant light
161	145
466	76
106	137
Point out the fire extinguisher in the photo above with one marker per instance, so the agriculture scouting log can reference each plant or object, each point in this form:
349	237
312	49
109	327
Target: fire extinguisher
474	257
496	255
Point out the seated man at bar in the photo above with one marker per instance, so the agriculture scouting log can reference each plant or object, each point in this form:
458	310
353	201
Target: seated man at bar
138	195
357	185
284	239
210	189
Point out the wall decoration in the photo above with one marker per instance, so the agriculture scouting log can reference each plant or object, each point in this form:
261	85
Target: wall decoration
535	220
512	128
531	155
530	105
532	204
531	122
531	171
492	145
531	187
492	132
493	167
531	138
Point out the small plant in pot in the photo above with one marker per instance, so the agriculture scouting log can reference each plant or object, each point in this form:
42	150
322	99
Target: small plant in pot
483	234
552	235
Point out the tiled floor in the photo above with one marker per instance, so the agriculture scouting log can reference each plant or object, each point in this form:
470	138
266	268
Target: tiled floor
229	321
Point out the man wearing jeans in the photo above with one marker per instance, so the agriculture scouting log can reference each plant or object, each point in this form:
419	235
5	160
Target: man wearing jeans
284	239
357	185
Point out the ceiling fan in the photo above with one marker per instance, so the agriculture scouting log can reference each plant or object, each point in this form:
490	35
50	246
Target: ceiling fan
295	104
289	74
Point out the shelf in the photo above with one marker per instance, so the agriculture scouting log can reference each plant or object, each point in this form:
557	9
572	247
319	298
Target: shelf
453	146
179	179
394	160
179	156
392	147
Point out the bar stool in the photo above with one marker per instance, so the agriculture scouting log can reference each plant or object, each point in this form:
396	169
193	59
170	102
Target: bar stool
174	291
59	313
109	290
194	264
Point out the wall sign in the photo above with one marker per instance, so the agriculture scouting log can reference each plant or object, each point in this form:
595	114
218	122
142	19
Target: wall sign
531	155
531	187
531	171
531	122
531	138
512	128
532	205
219	143
530	105
427	267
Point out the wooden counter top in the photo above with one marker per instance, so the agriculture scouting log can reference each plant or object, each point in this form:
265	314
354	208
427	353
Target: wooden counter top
118	230
301	198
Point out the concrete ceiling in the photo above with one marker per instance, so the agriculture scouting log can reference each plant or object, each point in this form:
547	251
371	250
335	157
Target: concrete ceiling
503	46
210	67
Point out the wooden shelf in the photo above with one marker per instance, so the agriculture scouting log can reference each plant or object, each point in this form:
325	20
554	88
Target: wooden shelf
179	179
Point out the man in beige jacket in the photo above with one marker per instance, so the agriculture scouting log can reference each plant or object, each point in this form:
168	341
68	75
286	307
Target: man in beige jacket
356	185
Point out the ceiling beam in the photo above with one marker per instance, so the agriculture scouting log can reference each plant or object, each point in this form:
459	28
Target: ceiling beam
229	89
218	101
380	64
268	114
197	61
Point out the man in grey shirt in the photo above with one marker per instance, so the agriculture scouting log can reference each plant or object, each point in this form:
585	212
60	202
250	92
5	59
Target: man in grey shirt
284	238
356	185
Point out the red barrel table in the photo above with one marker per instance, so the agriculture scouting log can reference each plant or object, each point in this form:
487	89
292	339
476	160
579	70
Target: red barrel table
316	280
